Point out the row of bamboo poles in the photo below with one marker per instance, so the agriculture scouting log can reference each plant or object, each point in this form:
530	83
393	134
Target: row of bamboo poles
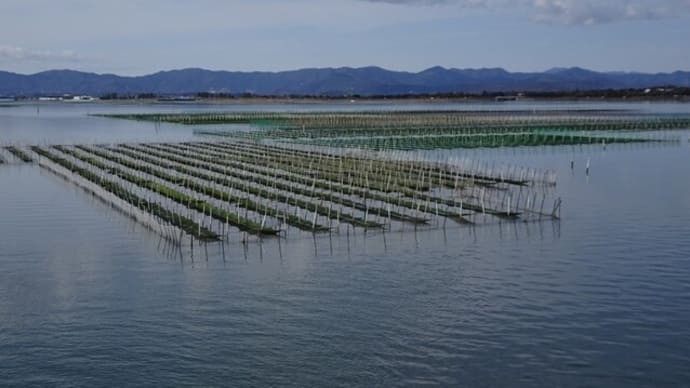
419	130
471	122
214	191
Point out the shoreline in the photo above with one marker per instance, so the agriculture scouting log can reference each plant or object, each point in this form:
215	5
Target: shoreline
355	101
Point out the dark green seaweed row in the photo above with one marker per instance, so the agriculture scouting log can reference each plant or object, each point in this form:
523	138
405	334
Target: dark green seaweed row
199	188
19	154
287	132
388	119
316	167
365	190
201	206
263	180
324	211
155	209
481	141
331	169
362	191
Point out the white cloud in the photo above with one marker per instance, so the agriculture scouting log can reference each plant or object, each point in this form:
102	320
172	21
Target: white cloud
596	12
22	54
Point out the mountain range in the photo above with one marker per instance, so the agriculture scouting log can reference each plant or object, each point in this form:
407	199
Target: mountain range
364	81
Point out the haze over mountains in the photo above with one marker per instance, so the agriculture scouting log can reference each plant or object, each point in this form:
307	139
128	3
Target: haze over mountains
330	81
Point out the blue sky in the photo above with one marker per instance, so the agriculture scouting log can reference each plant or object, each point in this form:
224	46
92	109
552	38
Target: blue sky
134	37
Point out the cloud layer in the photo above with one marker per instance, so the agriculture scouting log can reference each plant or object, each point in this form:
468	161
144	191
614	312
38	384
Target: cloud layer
573	12
586	12
521	35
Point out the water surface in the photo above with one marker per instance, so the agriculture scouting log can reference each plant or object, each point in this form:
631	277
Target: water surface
601	298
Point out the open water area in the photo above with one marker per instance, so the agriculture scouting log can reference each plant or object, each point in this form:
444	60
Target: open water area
598	298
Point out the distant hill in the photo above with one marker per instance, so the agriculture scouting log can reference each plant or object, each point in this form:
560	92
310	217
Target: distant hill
364	81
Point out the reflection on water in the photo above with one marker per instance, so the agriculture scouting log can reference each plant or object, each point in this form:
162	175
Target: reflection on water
359	242
601	298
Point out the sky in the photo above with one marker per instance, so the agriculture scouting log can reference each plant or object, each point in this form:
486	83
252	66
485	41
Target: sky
136	37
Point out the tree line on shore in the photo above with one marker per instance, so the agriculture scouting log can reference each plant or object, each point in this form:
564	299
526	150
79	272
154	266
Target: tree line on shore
660	92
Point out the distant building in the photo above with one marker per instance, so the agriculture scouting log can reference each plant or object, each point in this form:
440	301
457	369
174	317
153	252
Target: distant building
67	98
82	98
506	98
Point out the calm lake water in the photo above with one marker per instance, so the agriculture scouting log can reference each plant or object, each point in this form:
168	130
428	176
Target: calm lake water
601	298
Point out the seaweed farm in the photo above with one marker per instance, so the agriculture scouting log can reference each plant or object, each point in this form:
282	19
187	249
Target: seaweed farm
236	190
428	130
295	173
541	244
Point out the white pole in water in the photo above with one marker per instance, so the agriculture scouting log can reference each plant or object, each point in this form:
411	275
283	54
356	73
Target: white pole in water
482	201
587	168
366	215
389	214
